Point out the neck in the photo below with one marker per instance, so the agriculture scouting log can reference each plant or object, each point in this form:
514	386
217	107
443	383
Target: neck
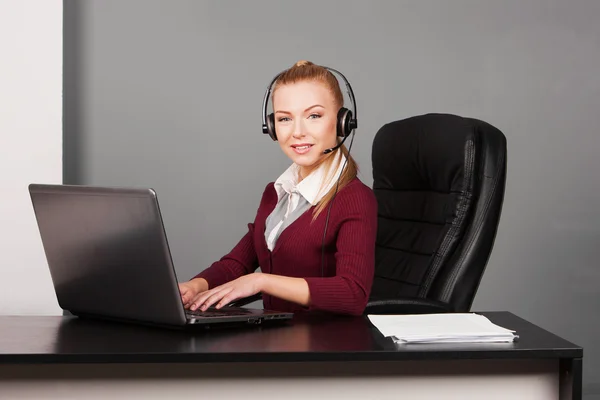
303	172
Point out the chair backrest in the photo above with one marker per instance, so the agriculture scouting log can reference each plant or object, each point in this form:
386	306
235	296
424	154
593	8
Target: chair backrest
439	181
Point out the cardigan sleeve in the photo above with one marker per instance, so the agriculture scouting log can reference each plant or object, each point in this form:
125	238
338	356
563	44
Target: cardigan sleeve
241	260
348	291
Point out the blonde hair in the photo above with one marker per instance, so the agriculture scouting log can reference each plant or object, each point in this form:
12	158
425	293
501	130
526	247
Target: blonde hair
304	71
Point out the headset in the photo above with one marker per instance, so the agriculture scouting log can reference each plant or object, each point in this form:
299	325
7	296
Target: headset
346	119
346	124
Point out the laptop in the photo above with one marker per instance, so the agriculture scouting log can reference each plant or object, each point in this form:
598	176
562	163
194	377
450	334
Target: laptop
108	256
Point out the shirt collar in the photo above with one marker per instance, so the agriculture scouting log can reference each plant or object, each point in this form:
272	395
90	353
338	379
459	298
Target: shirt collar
310	186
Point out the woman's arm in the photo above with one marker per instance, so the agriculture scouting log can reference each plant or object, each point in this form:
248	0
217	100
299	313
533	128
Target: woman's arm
286	288
240	261
348	291
291	289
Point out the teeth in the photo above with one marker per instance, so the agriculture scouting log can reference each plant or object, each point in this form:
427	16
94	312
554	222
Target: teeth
302	147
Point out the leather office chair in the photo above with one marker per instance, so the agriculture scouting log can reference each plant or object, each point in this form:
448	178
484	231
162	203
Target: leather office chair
439	181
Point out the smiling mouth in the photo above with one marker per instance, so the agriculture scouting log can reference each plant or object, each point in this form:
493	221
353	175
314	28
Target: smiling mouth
302	149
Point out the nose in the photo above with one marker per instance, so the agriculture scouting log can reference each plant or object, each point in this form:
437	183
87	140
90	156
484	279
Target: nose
298	129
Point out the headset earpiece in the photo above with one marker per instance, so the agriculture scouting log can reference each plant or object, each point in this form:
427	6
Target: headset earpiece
270	127
343	122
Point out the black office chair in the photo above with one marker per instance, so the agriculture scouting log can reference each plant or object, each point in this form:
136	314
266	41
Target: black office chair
439	181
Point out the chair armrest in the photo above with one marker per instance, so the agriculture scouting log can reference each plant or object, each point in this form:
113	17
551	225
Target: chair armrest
245	300
408	305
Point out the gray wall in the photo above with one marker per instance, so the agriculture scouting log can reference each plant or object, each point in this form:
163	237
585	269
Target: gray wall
168	95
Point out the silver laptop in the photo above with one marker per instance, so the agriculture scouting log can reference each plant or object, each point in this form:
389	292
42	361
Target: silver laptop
108	256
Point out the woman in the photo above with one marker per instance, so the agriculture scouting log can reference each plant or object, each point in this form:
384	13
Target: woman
319	193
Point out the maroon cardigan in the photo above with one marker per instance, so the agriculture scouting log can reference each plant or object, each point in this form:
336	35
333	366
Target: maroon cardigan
349	252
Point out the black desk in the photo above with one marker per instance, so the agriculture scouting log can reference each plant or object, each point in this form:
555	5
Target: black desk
318	356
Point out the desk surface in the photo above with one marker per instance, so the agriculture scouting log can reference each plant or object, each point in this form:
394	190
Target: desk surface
42	340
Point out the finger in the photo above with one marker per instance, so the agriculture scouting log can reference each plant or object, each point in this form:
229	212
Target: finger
210	300
197	302
231	296
215	298
200	298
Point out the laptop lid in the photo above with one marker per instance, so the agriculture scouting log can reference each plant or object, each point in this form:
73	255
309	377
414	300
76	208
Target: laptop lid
107	252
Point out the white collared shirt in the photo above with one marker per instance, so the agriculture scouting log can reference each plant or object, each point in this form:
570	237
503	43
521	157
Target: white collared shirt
293	193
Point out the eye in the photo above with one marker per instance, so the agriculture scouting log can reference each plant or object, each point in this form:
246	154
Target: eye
283	119
314	116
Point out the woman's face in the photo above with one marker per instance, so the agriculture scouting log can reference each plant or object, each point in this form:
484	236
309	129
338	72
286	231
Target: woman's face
305	122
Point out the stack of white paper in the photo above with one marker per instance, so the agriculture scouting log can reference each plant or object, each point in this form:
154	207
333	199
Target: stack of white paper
441	328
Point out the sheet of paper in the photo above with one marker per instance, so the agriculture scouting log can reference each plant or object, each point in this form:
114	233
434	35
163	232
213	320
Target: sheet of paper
441	328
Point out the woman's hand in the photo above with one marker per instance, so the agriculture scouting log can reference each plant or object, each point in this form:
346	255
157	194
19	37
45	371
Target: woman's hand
190	289
239	288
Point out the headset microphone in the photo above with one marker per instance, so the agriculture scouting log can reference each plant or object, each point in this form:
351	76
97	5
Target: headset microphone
327	151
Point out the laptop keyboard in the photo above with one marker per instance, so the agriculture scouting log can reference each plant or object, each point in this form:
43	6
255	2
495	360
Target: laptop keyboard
223	312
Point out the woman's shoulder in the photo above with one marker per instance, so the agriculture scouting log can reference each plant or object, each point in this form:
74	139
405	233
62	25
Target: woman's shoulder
269	191
268	199
357	194
357	186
